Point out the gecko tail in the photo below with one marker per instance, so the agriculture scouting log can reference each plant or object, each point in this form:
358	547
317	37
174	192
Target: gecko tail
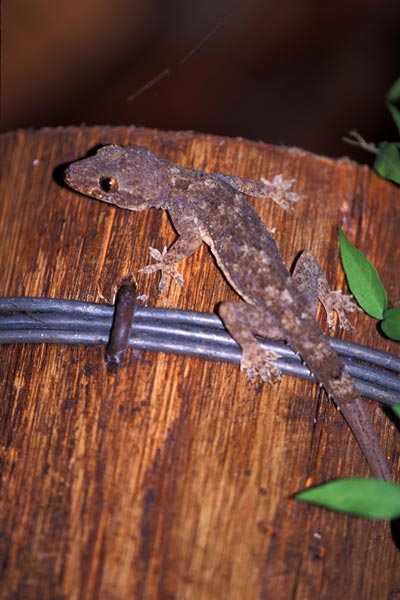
358	421
330	371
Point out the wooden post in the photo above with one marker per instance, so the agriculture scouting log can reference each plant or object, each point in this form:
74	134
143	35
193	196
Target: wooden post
175	479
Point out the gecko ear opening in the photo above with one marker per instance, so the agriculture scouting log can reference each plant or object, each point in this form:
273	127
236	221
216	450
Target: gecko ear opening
108	184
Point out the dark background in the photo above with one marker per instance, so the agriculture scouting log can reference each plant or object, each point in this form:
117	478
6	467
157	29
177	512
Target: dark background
300	72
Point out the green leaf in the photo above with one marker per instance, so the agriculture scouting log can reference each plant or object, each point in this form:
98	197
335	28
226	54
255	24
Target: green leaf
363	279
372	498
387	163
395	112
393	94
396	409
391	323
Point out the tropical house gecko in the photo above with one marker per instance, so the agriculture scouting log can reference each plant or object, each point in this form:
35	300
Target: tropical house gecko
212	208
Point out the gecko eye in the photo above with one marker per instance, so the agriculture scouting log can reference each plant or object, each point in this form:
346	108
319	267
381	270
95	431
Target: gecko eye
108	184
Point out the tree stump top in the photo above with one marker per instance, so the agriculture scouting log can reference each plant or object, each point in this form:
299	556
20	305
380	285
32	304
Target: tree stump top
175	479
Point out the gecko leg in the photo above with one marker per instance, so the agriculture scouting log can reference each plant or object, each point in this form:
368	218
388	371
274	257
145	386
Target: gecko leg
242	320
312	283
188	241
279	190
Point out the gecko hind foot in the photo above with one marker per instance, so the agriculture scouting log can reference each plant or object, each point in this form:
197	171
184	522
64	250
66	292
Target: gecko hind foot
311	281
336	302
256	361
167	269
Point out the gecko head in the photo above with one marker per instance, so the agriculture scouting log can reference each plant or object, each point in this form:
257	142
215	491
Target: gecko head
130	177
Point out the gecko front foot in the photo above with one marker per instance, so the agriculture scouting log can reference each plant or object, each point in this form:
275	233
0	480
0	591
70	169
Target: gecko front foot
167	269
279	191
256	361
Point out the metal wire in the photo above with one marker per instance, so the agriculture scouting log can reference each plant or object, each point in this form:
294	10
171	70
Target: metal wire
202	335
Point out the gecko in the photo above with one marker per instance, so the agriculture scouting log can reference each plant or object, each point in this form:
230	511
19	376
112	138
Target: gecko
212	208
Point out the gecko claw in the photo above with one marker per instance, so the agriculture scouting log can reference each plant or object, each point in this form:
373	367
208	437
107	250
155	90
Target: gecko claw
260	363
167	269
336	302
279	191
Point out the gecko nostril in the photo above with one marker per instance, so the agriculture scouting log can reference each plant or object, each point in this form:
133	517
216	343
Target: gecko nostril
108	184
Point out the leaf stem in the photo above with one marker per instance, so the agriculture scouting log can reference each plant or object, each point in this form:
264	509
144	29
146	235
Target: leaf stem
357	140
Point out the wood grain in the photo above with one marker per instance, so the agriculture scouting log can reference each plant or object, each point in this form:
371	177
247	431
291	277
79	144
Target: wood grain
175	479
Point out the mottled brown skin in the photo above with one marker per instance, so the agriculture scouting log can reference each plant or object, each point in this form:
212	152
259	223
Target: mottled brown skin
211	208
